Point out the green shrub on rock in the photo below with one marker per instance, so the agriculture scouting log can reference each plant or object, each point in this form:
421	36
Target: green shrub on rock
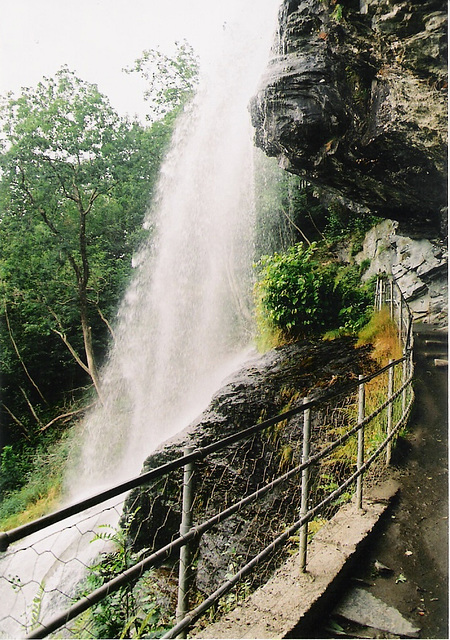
298	295
295	291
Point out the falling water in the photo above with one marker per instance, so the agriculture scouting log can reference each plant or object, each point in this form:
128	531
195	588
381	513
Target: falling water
186	318
185	321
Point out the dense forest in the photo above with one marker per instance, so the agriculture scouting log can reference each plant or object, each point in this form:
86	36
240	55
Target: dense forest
76	187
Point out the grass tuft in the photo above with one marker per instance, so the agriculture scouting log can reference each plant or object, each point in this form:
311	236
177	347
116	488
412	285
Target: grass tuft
381	332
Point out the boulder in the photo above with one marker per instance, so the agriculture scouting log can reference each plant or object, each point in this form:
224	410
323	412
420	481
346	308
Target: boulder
265	387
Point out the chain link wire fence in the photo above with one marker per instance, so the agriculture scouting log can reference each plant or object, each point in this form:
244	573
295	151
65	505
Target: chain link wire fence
40	574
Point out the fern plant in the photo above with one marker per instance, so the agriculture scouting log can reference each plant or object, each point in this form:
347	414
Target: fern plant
130	612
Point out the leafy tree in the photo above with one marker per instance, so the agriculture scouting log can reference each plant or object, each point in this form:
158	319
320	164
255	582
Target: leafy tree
76	180
172	80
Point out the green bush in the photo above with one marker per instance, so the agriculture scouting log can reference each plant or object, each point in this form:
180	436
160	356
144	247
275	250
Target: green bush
298	295
355	297
295	292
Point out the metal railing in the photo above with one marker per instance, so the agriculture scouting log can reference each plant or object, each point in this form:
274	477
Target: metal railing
307	461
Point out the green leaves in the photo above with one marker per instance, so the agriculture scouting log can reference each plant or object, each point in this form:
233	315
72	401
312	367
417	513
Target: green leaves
137	609
300	295
171	80
293	290
75	183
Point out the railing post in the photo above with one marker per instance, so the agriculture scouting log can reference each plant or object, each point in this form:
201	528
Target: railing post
390	411
305	485
360	458
404	378
185	555
400	316
410	367
391	297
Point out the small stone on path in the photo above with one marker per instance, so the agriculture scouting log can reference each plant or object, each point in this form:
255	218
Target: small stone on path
362	607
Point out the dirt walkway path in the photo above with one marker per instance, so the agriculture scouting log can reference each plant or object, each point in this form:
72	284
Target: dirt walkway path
413	543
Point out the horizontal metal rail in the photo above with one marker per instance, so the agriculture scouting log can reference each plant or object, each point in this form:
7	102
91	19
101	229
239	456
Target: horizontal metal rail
195	614
158	557
13	535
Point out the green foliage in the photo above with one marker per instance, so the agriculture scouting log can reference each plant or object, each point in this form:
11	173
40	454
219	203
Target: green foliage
10	469
76	181
355	297
31	478
237	594
337	13
295	290
131	612
172	80
36	608
342	223
298	295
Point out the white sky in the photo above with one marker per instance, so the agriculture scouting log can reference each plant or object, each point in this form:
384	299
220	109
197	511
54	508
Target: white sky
97	38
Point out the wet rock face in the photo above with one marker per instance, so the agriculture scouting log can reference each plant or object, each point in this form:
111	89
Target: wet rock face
267	386
357	103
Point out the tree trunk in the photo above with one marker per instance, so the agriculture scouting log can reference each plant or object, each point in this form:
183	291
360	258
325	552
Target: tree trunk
88	347
83	278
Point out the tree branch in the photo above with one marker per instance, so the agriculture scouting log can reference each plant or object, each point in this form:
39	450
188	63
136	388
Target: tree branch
66	415
72	350
17	421
295	226
16	349
63	337
50	225
59	178
110	329
30	406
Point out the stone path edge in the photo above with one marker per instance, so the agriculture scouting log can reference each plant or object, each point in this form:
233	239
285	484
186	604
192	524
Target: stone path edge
290	603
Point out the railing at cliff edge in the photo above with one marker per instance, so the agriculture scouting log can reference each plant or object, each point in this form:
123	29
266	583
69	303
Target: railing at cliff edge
301	460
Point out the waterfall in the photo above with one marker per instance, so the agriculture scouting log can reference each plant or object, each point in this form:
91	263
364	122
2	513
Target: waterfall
186	318
185	321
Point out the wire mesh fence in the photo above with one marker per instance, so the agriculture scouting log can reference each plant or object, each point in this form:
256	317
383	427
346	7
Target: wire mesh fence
114	571
41	573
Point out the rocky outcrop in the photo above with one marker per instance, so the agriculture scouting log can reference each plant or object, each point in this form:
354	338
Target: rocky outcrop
267	386
419	265
355	100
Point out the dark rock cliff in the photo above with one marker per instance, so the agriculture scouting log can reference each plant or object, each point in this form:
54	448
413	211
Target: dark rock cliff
355	100
265	387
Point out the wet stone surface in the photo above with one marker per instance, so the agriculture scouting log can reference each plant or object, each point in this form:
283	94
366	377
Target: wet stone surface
362	607
265	387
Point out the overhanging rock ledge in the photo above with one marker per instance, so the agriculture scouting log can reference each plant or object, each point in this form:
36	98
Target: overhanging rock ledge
357	103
